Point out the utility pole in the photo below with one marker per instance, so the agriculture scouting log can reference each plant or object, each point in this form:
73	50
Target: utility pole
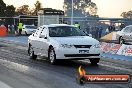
72	14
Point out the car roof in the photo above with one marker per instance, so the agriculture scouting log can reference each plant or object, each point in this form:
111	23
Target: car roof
28	25
129	26
55	25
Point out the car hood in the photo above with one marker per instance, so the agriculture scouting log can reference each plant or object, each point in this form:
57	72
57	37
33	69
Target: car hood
119	32
76	40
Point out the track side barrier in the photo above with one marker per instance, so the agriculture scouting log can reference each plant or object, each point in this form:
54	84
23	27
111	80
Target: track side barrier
116	49
125	50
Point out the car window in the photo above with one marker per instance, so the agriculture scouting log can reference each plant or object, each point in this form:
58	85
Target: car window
64	31
127	30
130	29
43	32
37	33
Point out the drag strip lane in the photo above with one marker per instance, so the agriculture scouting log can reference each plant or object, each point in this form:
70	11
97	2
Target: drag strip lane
16	59
3	85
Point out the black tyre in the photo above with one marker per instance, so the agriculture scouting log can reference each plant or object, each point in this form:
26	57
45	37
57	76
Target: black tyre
121	40
95	61
52	56
31	53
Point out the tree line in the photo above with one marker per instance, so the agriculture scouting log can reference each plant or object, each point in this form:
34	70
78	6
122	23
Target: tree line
127	14
81	7
10	10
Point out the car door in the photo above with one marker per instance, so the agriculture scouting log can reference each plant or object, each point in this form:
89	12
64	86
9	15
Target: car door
130	35
43	42
126	34
35	42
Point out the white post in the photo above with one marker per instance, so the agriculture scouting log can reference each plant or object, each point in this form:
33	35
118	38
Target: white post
72	14
14	21
19	18
39	20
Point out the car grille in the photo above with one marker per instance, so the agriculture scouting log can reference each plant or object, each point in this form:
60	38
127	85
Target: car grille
80	55
82	46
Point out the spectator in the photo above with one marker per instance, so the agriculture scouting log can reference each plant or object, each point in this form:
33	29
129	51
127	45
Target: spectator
88	30
10	29
96	32
15	29
20	27
110	28
77	25
113	27
100	31
122	26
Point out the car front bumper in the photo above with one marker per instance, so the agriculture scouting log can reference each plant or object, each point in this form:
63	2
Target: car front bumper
62	53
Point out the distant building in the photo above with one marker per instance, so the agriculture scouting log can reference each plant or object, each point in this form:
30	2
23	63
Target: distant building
50	11
49	16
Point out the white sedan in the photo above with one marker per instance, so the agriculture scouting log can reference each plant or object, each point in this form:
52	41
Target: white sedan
125	35
28	29
61	41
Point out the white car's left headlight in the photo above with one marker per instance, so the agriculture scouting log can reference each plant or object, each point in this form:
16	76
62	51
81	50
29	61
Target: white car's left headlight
66	46
97	45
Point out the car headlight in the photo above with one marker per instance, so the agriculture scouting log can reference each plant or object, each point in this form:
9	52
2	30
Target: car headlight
97	46
66	46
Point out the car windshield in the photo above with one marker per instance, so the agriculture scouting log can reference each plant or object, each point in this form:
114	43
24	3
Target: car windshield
31	27
64	31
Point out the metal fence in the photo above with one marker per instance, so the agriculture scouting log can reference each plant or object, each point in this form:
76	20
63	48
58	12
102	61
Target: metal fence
45	20
90	25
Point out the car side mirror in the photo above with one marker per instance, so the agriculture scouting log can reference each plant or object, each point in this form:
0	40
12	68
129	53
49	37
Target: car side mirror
45	37
90	35
33	34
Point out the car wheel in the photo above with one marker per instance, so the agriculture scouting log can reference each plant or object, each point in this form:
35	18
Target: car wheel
52	56
94	61
31	53
121	40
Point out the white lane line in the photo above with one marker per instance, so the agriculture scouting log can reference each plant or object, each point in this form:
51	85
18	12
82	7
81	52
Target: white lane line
117	68
3	85
8	51
21	47
113	67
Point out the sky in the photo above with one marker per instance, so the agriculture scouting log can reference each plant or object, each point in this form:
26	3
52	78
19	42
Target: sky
57	4
112	8
106	8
